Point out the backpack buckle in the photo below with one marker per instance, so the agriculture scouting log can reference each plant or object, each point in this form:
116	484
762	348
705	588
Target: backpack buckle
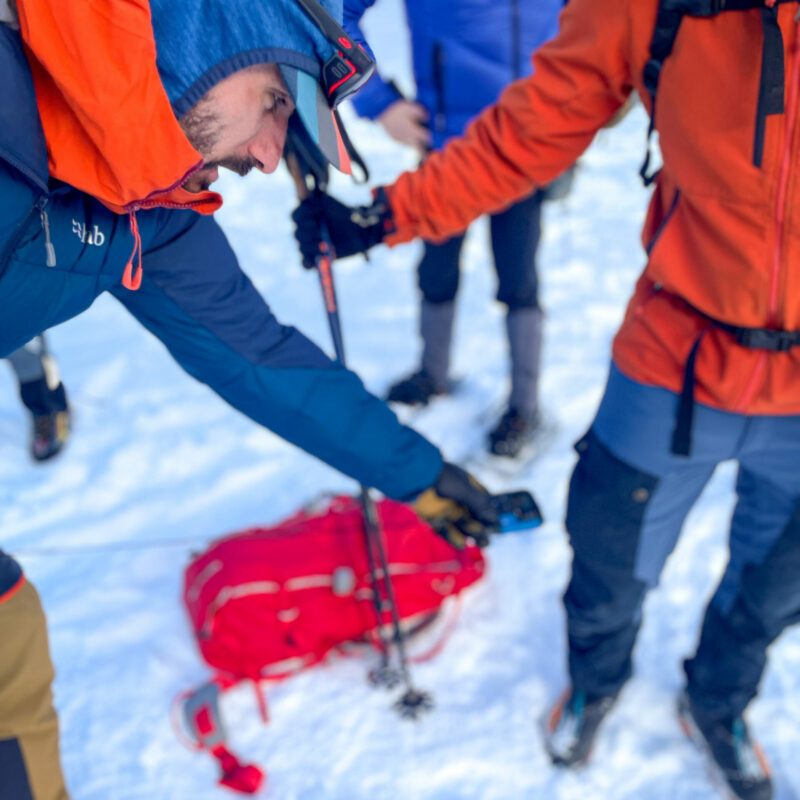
766	339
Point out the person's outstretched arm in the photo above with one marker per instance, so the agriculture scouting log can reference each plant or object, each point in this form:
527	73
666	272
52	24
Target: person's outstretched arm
536	130
195	298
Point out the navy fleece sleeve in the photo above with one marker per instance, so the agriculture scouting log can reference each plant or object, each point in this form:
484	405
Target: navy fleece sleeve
195	298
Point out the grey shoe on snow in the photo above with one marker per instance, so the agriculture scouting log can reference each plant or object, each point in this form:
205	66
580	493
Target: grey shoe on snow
735	755
50	434
513	432
415	390
50	417
572	725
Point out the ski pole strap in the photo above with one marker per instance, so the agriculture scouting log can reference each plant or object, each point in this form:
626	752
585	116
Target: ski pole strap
770	339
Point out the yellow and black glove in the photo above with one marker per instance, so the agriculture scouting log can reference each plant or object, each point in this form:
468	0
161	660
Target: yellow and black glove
458	508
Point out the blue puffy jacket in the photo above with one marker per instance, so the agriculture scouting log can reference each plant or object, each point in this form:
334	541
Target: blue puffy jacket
464	52
193	297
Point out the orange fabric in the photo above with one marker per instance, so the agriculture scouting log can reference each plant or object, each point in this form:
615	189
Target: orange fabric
732	245
109	126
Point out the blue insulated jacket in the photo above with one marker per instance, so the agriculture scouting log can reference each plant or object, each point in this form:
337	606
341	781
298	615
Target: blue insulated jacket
464	53
194	298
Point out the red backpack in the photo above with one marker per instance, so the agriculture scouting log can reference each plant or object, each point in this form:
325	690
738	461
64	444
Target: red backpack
269	602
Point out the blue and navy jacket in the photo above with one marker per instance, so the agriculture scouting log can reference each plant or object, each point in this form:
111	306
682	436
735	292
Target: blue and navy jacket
194	297
465	52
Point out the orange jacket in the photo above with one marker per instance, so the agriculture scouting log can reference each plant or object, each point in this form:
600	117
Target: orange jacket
730	246
109	126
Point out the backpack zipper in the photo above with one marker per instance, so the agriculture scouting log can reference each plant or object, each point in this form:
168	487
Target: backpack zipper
41	204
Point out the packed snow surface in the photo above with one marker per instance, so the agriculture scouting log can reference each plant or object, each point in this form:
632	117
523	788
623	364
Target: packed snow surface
158	466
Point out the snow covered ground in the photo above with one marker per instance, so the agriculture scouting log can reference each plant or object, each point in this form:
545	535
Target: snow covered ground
158	460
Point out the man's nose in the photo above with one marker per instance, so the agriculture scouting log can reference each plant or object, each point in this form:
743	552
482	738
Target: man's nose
267	145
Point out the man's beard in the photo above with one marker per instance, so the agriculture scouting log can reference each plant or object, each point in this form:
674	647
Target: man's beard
202	127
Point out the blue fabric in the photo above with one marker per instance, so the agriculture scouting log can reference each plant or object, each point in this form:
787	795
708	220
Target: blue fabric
198	43
724	674
629	497
635	422
196	299
10	573
465	52
219	329
606	507
13	772
22	142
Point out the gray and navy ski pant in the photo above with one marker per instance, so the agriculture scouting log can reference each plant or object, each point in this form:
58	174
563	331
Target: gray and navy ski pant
628	498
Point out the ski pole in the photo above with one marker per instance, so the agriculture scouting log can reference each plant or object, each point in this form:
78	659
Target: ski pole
413	700
310	174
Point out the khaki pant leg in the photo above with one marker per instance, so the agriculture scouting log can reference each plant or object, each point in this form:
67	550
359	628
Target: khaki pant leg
28	722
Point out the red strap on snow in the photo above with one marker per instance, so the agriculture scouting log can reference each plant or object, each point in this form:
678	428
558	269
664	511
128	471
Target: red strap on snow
262	702
449	626
245	778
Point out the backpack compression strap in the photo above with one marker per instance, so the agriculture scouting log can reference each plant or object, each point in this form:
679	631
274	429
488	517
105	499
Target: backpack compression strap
668	21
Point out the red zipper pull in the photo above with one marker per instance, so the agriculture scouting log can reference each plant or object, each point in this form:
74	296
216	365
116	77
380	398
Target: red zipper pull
131	280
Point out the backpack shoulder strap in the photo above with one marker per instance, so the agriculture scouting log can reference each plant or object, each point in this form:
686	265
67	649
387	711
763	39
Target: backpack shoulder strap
668	21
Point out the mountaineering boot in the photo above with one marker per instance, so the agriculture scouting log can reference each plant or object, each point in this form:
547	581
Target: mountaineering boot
50	434
415	390
512	433
50	417
431	379
572	726
735	755
521	422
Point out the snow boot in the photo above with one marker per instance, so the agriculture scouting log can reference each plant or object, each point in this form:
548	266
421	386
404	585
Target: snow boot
572	726
50	434
415	390
50	417
735	755
431	379
511	434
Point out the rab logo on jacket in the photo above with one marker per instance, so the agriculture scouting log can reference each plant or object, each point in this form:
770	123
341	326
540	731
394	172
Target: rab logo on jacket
91	235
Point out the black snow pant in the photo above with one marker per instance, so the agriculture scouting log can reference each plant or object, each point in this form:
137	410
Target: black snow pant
515	238
628	498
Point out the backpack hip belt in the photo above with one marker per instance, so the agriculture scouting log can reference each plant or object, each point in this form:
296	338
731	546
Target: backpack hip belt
769	339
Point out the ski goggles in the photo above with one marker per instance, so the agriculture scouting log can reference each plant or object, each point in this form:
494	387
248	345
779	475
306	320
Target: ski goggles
349	68
315	100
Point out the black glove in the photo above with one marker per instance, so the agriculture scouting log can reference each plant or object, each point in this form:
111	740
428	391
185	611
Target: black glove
458	508
351	229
